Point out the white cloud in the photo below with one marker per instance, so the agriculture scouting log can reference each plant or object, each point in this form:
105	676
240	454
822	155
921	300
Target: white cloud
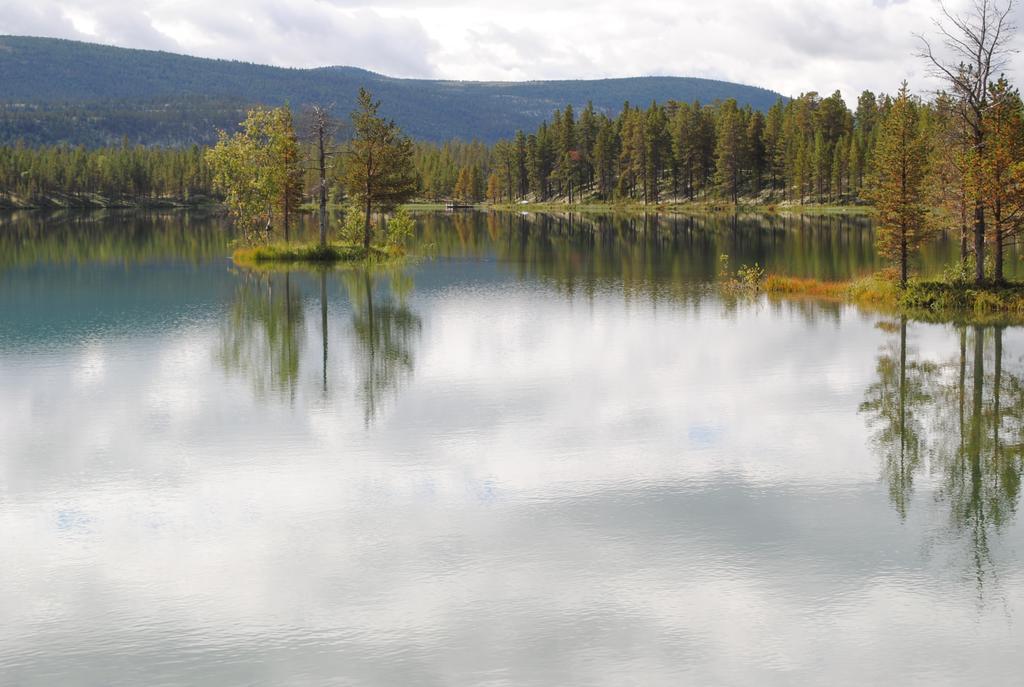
787	45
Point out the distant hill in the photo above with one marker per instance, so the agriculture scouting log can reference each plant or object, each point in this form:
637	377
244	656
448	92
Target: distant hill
54	90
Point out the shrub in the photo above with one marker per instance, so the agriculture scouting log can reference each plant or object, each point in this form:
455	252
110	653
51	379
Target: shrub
352	225
400	228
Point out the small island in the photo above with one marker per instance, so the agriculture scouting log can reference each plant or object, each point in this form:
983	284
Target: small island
260	170
314	253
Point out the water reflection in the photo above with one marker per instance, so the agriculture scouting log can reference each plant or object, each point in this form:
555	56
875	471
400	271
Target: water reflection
264	336
895	406
981	464
576	251
645	251
191	493
386	331
111	236
966	416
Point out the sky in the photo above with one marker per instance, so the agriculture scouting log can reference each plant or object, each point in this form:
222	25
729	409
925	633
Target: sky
790	46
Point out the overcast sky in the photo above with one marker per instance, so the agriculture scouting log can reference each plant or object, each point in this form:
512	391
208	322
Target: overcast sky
786	45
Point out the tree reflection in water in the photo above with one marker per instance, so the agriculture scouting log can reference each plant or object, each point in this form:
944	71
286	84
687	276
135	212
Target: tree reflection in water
963	418
895	405
264	333
385	332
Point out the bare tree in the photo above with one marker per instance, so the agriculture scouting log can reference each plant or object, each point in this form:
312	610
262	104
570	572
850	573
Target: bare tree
322	128
977	49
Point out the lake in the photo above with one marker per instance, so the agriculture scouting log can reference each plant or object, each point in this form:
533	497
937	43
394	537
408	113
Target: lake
547	453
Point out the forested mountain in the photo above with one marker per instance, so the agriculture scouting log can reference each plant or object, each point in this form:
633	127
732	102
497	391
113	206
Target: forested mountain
60	91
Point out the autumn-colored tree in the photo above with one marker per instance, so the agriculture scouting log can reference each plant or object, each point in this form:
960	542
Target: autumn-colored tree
469	187
898	188
379	169
1002	169
494	188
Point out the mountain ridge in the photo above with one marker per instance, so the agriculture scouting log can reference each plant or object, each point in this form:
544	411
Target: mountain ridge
166	98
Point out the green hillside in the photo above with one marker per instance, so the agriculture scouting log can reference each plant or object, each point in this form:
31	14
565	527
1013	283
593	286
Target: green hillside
66	91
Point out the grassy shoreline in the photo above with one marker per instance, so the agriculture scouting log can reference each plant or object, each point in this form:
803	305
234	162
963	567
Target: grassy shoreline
929	300
697	207
689	207
96	202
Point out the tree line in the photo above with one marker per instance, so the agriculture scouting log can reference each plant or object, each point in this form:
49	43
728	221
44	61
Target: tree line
808	149
805	149
130	173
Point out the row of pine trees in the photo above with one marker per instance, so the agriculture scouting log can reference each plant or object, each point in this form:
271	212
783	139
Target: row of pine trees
121	172
806	149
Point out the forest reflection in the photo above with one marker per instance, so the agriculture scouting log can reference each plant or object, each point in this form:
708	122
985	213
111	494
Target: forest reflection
265	335
110	236
646	252
960	421
643	252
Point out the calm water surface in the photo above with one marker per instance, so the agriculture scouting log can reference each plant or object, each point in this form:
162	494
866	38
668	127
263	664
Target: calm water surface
549	454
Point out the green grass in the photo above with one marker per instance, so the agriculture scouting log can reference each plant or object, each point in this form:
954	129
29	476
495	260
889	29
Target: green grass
943	298
413	206
314	253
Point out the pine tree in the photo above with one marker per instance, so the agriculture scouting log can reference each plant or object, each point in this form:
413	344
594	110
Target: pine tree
774	144
756	150
586	135
379	169
605	157
898	188
521	173
729	149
